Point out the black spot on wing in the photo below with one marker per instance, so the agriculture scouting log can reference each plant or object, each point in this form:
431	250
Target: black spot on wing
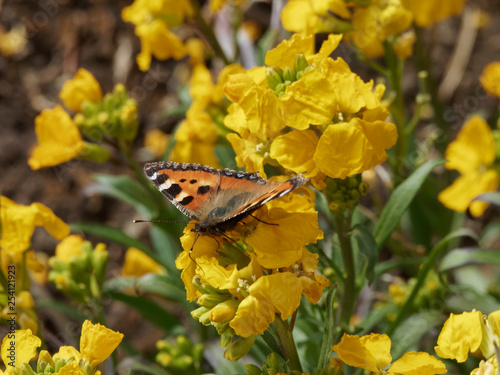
182	180
173	190
186	200
203	189
193	181
161	178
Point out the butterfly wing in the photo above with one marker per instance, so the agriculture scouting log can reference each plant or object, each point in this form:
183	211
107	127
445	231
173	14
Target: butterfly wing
188	186
241	194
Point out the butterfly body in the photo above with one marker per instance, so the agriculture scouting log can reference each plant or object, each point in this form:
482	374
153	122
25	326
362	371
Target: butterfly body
216	198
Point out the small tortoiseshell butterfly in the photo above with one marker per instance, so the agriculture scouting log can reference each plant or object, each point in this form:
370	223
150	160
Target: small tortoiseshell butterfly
217	198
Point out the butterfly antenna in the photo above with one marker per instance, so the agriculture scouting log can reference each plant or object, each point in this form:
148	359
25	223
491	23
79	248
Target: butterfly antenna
158	221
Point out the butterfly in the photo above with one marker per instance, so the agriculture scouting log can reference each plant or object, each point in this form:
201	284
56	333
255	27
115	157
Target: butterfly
216	198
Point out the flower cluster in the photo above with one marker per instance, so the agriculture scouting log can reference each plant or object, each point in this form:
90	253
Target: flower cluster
373	353
77	269
242	286
197	135
368	24
60	137
96	344
18	223
307	113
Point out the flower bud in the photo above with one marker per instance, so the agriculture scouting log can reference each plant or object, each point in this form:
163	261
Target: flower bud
253	369
300	63
224	312
239	348
289	75
196	314
211	300
274	77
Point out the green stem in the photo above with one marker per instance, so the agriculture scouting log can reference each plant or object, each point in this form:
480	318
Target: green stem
395	76
349	293
287	344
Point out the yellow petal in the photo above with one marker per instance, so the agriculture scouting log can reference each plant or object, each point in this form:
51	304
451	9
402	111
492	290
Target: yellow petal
98	342
281	245
83	87
59	139
284	54
421	363
69	248
282	290
246	155
345	149
138	264
72	368
19	347
67	352
159	41
427	12
295	151
311	16
18	223
464	189
460	335
253	317
486	367
371	352
490	79
473	148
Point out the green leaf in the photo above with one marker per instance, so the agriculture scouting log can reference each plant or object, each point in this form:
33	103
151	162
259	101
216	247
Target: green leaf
150	283
127	190
441	247
367	248
329	330
464	257
400	200
167	245
147	308
114	235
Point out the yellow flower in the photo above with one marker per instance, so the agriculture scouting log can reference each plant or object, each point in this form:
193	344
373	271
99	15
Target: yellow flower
472	154
376	23
427	12
156	142
217	5
82	88
19	348
138	264
313	16
69	248
490	79
468	332
159	41
350	148
13	41
283	228
347	112
372	353
59	139
152	19
18	224
489	367
195	140
269	294
98	342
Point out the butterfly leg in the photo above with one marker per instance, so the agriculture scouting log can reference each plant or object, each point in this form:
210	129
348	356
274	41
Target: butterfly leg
262	221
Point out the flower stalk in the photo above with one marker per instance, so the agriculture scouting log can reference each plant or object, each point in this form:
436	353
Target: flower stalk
287	344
